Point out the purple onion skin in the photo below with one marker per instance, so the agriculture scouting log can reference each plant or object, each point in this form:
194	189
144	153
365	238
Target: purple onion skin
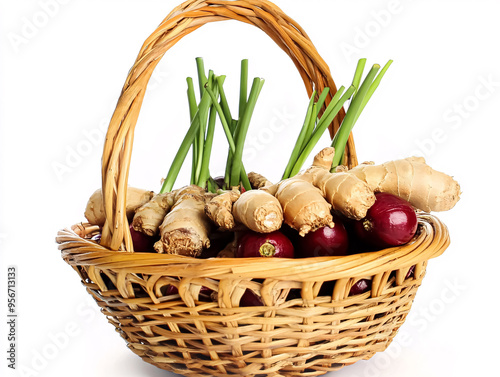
391	221
327	288
218	241
325	242
290	233
411	272
205	293
220	182
171	290
96	237
260	245
250	299
361	286
142	242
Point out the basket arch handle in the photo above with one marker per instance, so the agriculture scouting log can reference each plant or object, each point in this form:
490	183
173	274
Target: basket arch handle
182	20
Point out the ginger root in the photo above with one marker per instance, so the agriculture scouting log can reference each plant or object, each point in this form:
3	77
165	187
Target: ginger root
258	181
94	212
149	216
220	208
185	229
304	206
412	180
259	211
346	193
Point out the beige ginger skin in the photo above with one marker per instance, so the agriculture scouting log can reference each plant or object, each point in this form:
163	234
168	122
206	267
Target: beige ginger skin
220	209
148	218
412	180
94	212
185	229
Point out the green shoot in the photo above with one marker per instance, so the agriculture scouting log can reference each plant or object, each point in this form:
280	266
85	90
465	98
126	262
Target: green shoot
340	138
193	108
300	139
241	131
330	113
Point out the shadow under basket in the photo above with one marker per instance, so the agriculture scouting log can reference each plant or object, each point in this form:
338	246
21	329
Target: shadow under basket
183	314
308	325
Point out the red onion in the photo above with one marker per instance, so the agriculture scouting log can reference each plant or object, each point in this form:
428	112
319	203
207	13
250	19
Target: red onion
142	242
325	242
391	221
250	299
254	245
361	286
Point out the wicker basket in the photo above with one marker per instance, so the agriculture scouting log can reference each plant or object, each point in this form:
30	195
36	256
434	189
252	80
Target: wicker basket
299	331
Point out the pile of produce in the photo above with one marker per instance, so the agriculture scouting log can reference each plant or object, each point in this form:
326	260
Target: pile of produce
325	210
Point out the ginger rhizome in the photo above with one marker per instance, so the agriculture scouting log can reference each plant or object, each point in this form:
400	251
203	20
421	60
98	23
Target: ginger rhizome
220	208
412	180
259	211
185	229
149	217
345	192
94	212
304	206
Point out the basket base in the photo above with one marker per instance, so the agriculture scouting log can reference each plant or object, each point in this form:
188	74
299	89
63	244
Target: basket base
318	358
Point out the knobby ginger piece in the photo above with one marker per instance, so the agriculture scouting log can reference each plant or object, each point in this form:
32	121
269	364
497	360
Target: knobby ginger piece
94	212
185	229
259	211
258	181
304	207
412	180
149	217
220	209
346	193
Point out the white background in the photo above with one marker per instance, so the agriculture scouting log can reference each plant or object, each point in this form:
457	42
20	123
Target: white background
62	67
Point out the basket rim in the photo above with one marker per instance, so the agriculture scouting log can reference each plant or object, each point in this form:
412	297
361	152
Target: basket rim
430	241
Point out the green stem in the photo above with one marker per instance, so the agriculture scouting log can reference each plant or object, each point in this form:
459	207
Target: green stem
188	140
202	78
232	147
310	127
223	119
374	86
211	185
241	132
352	114
202	129
358	74
321	102
223	100
331	112
207	150
300	139
243	87
245	182
193	107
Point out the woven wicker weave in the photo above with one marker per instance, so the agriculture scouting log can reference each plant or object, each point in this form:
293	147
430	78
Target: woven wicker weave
301	330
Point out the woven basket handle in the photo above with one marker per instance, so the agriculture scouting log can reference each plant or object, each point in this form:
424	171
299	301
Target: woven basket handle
184	19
